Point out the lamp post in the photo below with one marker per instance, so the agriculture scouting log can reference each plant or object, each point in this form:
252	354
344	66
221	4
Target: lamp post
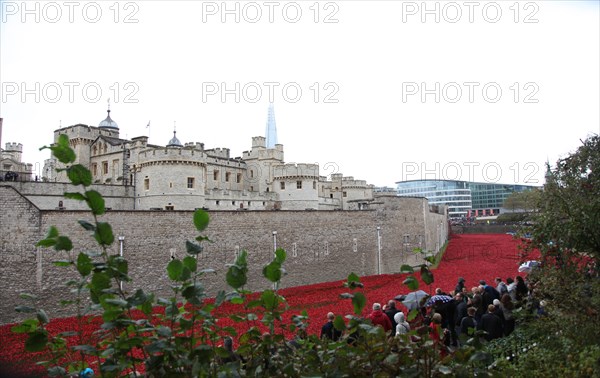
274	241
121	240
378	250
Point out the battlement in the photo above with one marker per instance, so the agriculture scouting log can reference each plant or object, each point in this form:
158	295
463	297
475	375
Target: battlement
292	170
14	147
259	141
84	131
172	153
195	145
218	152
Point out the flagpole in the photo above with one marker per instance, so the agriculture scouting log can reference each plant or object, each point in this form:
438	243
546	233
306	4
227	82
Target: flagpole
148	127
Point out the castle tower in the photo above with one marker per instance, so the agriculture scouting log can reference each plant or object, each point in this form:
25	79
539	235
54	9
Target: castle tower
271	132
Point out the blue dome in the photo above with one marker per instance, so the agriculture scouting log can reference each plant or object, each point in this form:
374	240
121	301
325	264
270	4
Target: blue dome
174	142
108	123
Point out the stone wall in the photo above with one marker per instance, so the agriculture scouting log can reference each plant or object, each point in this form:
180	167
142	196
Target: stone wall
321	245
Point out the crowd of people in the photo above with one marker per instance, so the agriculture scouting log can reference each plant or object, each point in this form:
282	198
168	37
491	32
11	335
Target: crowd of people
484	308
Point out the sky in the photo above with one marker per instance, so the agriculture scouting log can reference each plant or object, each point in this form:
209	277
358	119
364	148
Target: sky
383	91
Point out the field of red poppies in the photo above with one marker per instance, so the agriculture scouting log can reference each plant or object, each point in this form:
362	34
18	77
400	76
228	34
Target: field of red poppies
473	257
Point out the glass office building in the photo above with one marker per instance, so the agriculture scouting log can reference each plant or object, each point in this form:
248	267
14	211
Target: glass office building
464	199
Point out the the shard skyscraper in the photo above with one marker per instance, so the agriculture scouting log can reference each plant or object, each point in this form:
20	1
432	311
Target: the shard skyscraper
271	132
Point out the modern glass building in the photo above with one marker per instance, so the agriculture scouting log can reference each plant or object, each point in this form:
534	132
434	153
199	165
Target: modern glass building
464	199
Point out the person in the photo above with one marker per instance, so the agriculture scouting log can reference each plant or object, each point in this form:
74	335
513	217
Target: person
328	331
507	310
461	308
437	334
468	324
490	290
377	317
501	287
511	287
521	290
491	324
402	326
460	285
231	355
391	311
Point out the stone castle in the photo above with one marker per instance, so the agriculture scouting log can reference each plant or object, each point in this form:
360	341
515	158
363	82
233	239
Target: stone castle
376	233
189	176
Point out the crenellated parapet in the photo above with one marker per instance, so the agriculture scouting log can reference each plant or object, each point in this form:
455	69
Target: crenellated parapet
293	171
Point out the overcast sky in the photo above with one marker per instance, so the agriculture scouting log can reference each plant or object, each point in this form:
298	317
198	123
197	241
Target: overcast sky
380	90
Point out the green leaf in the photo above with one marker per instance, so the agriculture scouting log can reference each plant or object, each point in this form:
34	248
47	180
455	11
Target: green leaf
84	264
26	326
87	225
95	202
117	302
412	314
339	323
61	150
426	275
269	299
36	341
193	248
46	243
220	298
237	300
24	309
411	282
194	293
42	316
406	269
79	175
280	255
52	232
353	277
63	243
272	272
190	263
27	296
201	219
62	263
236	276
74	196
175	269
359	301
104	234
100	281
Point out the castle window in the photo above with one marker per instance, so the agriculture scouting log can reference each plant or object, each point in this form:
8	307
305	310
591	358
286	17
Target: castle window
248	203
227	176
146	184
233	203
216	175
314	185
298	184
95	169
251	173
95	151
238	178
345	194
190	183
331	196
217	202
282	185
170	185
169	208
104	167
251	188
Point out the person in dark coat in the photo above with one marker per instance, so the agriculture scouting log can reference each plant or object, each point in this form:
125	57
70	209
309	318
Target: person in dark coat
461	308
491	324
460	285
328	331
469	322
391	311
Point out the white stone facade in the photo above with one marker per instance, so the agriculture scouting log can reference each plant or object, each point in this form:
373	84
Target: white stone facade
188	176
